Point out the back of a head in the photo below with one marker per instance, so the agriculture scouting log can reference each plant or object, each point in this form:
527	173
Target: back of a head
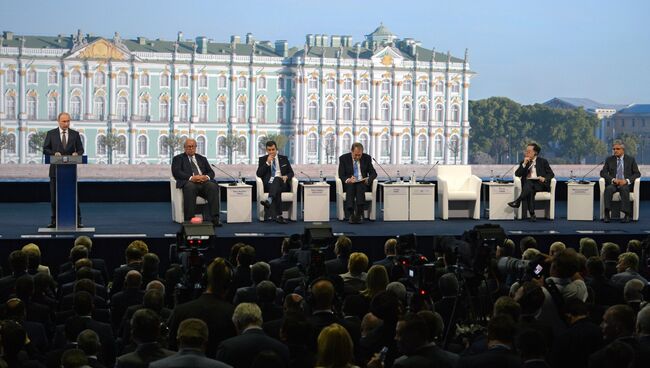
33	255
134	252
621	318
531	344
322	294
246	315
530	254
565	263
398	289
448	284
219	276
507	249
43	282
335	347
617	354
141	246
633	290
589	247
83	262
530	297
630	260
610	251
634	246
85	273
85	241
294	303
246	256
154	299
156	285
376	280
435	324
85	285
556	247
18	261
643	321
83	303
595	266
192	333
357	263
386	307
527	242
15	309
295	329
390	246
266	292
501	328
88	341
12	337
150	264
133	280
260	271
413	333
74	358
24	287
508	306
234	250
78	252
343	246
145	326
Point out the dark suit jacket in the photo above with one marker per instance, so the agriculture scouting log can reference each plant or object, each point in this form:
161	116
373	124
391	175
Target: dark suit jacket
98	264
216	313
264	170
573	347
337	266
143	356
71	276
543	169
121	301
103	330
53	145
495	357
240	351
67	292
428	356
188	358
278	266
346	167
119	274
182	169
630	169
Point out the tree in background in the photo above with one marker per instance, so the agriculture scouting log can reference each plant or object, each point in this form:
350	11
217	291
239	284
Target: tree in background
234	144
173	142
36	140
279	139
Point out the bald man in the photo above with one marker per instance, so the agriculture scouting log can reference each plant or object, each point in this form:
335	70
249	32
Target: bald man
194	175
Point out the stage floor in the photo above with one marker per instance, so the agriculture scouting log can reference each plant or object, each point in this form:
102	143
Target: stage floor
153	220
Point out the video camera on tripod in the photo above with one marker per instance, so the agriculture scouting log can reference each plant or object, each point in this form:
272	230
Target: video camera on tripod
191	242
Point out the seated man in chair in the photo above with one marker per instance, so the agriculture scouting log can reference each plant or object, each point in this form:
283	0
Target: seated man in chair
357	173
276	174
620	171
536	175
193	174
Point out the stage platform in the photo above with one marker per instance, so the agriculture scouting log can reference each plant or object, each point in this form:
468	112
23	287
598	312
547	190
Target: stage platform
118	223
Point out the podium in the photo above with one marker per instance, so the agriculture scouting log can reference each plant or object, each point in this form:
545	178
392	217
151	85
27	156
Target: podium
500	195
238	199
422	204
580	201
66	194
315	202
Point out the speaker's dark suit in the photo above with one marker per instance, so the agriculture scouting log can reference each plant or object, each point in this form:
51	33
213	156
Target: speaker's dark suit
53	145
530	187
278	186
355	193
240	351
630	173
182	171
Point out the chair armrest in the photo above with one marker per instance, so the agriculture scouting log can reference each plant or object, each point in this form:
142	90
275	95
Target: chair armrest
443	187
601	187
259	187
517	181
553	185
339	184
476	182
374	187
637	187
294	186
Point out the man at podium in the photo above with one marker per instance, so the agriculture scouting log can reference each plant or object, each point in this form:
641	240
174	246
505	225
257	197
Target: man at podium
357	173
59	142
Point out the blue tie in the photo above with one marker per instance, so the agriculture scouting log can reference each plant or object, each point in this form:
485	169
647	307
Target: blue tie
273	168
356	169
619	169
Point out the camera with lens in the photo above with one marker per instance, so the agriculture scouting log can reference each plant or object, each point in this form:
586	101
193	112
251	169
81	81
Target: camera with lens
192	241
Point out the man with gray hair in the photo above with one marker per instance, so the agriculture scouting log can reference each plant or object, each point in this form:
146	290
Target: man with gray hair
260	271
240	351
620	171
628	269
192	338
643	333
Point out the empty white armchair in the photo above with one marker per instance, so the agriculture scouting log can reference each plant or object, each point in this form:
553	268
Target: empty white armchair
287	197
547	210
371	201
634	196
459	192
177	201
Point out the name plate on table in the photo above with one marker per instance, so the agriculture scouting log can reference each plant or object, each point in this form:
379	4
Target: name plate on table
239	192
422	191
401	191
505	189
319	192
581	191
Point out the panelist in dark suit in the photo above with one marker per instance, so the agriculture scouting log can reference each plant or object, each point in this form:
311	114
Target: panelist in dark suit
619	172
61	141
276	174
536	175
357	173
194	175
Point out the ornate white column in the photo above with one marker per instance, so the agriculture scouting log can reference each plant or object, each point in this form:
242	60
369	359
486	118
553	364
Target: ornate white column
135	106
176	116
375	100
22	93
252	107
395	102
430	153
232	100
64	88
445	147
465	143
88	108
112	102
195	96
393	146
2	92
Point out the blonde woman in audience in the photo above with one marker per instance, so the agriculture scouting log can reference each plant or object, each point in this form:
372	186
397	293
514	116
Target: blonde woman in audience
335	349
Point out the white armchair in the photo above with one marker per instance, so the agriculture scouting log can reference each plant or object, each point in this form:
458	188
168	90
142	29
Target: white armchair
371	198
548	210
459	192
177	201
634	195
287	197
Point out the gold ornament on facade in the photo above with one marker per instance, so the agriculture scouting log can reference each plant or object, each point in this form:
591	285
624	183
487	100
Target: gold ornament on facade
102	49
387	60
22	72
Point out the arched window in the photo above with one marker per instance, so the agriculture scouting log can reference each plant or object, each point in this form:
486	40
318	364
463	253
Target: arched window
406	146
241	82
164	110
347	84
11	76
313	110
384	146
261	111
144	80
280	112
347	111
101	145
363	139
164	80
163	148
222	81
364	85
100	79
423	112
203	81
200	145
407	85
31	148
437	146
32	104
406	110
293	109
346	143
385	86
75	107
122	79
312	145
123	108
385	111
11	144
331	84
52	77
99	107
454	146
184	110
242	149
142	145
121	145
455	113
439	112
31	76
330	111
75	78
455	87
221	146
52	108
280	82
422	146
241	111
10	107
261	83
184	80
422	86
440	86
313	82
144	108
330	147
363	112
221	111
203	111
261	146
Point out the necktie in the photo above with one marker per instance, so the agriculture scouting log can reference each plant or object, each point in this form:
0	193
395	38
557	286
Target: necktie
195	167
356	169
619	169
530	171
273	168
64	140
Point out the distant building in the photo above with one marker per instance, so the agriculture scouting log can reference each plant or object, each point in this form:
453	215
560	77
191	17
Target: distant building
405	103
602	111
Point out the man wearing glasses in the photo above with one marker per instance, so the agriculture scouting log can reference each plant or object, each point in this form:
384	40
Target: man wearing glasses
61	141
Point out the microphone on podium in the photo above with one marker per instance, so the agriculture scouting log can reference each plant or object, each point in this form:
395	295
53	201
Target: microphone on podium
500	179
424	178
582	180
308	177
390	180
223	171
